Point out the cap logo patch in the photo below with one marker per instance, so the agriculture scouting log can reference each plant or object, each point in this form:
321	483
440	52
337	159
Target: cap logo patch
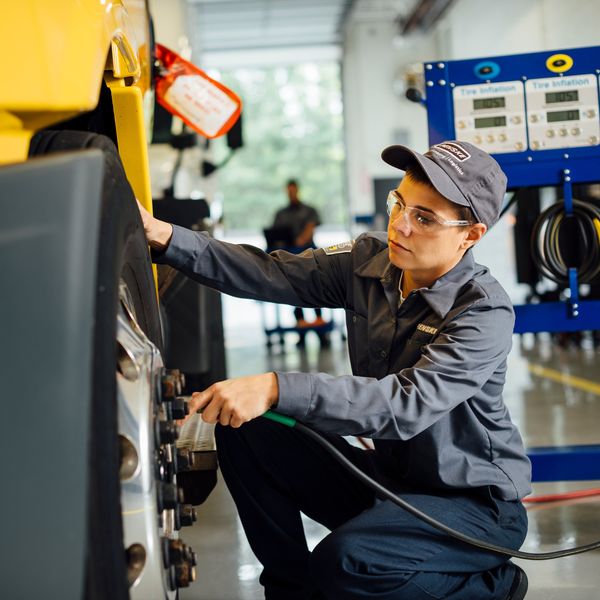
458	152
446	158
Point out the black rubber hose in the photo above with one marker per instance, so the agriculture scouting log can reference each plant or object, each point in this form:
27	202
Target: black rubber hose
385	493
551	251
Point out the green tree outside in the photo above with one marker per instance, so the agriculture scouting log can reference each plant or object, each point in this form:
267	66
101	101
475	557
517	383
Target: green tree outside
293	128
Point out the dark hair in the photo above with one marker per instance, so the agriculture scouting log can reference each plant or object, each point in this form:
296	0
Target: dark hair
293	182
416	174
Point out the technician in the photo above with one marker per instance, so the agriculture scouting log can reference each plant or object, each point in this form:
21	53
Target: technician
429	331
302	220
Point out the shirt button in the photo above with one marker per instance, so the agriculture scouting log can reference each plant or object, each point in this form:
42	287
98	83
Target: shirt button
383	354
354	318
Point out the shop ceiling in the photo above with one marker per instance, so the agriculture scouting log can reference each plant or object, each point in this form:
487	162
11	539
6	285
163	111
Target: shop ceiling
238	25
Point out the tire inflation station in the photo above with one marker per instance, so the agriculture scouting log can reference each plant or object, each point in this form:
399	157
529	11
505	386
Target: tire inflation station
538	114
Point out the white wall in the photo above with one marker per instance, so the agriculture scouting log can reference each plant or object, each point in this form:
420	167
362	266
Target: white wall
171	27
471	28
372	111
169	17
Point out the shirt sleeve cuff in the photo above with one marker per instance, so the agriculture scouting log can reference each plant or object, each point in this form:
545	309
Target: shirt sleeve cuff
184	247
295	394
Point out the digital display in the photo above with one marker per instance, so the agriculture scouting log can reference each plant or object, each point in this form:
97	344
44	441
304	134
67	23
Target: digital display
498	102
562	115
570	96
492	122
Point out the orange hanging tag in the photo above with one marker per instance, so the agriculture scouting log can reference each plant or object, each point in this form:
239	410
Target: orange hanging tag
186	91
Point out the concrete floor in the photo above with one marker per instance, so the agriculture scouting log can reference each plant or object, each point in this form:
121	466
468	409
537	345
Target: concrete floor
548	412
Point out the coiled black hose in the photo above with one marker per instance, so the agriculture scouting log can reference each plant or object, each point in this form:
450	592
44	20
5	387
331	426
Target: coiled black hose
560	241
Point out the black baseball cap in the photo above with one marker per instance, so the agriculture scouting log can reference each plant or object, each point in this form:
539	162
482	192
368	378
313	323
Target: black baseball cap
459	171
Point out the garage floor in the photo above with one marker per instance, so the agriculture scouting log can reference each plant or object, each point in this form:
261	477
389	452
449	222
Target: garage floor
549	409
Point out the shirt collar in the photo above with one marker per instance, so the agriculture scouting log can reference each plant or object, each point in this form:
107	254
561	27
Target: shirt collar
377	266
441	296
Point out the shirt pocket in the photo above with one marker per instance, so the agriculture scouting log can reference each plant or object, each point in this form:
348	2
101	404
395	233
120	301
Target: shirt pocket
358	343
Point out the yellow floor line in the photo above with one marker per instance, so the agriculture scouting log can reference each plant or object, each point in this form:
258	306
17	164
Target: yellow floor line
566	379
126	513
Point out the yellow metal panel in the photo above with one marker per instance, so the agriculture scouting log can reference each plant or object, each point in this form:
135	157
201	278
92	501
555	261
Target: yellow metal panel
53	54
131	137
14	145
14	140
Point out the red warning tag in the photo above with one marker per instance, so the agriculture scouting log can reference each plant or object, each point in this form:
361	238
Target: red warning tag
186	91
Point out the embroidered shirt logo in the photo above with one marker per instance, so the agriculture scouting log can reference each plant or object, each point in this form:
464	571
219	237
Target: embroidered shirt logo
339	248
426	328
455	150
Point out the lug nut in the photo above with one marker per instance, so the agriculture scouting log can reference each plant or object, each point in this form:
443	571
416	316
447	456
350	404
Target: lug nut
186	574
167	495
185	515
168	432
168	388
179	408
172	383
175	551
180	561
181	378
192	557
184	460
179	552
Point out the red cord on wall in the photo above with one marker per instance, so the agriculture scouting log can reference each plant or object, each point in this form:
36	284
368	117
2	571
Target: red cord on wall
564	496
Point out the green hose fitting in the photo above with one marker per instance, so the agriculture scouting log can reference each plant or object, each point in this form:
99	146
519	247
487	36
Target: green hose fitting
278	418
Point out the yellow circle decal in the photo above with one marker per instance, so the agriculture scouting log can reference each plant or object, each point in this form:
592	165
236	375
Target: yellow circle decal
559	63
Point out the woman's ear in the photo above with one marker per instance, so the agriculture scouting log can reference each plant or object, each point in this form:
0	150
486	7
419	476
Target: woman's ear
475	233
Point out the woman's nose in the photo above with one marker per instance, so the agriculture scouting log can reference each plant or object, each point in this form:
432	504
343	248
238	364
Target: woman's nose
401	224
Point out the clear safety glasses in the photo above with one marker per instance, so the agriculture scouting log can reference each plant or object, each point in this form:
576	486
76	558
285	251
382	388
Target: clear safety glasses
419	220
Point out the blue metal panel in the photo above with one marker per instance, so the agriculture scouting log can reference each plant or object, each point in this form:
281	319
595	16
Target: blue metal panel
565	463
546	167
557	316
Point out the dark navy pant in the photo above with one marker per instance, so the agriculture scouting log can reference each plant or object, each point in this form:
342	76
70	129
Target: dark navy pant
375	549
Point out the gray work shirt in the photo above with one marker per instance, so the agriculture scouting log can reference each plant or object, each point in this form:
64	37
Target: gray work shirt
296	217
427	374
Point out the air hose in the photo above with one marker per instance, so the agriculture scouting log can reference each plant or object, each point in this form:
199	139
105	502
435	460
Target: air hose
384	492
560	241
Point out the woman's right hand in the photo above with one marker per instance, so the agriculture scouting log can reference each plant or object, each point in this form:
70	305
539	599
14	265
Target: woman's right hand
158	233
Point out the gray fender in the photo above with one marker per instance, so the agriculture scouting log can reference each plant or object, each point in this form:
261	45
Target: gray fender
49	222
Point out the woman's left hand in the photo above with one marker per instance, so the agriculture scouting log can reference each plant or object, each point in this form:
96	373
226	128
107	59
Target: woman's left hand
235	401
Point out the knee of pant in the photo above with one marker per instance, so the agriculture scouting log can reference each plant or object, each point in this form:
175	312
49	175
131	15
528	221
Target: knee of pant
228	440
222	433
332	563
341	569
226	434
237	439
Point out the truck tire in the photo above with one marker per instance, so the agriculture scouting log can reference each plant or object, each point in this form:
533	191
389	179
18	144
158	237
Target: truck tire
125	297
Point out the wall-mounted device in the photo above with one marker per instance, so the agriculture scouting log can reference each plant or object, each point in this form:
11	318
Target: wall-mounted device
537	113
